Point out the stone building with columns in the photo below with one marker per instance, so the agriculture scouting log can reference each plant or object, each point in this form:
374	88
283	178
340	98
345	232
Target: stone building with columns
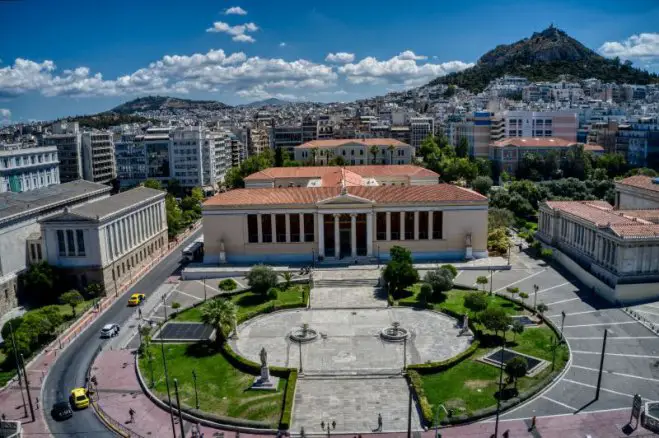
637	192
613	251
341	222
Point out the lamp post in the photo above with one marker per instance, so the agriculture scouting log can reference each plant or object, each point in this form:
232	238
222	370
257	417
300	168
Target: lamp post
509	246
178	406
18	368
114	278
503	351
169	394
536	288
491	274
328	427
196	395
204	279
300	350
164	306
27	387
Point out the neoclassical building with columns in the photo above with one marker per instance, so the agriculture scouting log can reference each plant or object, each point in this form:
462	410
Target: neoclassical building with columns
343	222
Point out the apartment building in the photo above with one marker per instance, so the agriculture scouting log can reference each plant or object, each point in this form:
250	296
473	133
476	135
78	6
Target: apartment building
479	129
288	137
638	141
355	151
67	138
130	159
420	129
155	142
199	157
561	124
27	168
98	158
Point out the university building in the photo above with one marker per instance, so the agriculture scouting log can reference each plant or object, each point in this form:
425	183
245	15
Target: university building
343	217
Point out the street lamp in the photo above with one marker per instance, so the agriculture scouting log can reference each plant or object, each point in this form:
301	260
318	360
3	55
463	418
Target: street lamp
169	394
300	349
503	353
194	380
536	288
562	323
328	427
491	274
164	306
509	246
204	279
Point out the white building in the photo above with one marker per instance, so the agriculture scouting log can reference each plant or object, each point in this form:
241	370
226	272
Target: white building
420	129
562	124
199	157
109	240
98	157
27	168
66	137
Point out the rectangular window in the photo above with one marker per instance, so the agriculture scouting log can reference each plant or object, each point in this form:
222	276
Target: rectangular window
409	225
70	243
33	252
381	226
81	242
294	219
39	257
395	225
266	228
423	225
437	224
61	246
252	228
309	227
280	227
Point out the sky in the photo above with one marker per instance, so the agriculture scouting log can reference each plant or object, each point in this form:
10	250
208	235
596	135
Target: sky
72	57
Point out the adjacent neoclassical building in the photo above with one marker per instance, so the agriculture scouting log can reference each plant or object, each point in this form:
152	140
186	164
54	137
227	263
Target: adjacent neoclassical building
615	251
341	221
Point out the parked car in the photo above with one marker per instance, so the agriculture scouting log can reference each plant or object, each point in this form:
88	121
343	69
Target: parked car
61	411
110	330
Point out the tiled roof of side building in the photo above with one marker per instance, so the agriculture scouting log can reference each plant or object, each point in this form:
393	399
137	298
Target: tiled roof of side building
648	215
636	230
640	181
340	142
534	142
380	195
322	171
114	204
589	212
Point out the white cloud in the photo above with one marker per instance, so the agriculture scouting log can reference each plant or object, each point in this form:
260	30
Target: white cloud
212	71
340	57
402	69
235	10
5	113
644	45
238	32
282	44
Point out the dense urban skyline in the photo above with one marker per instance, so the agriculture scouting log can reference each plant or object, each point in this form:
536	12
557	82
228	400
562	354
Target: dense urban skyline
244	51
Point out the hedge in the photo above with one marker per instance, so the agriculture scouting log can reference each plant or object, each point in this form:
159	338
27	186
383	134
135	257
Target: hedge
247	366
228	284
414	379
435	367
289	398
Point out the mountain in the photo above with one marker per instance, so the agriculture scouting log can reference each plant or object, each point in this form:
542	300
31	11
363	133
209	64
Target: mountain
268	102
163	103
545	57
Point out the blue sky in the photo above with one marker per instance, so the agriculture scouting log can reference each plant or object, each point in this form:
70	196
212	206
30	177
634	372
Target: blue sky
67	57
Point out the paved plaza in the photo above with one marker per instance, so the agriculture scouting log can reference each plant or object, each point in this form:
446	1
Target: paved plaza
348	297
350	339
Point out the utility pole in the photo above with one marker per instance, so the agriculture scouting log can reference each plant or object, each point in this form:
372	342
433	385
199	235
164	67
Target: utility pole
178	406
563	323
196	395
409	412
18	368
599	376
496	424
204	279
27	386
169	394
535	295
164	306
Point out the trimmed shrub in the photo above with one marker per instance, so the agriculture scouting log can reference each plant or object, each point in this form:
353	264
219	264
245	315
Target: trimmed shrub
273	293
417	385
289	397
228	284
546	253
435	367
261	278
425	294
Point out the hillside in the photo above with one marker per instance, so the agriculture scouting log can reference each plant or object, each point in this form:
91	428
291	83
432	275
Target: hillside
106	120
267	102
163	103
545	57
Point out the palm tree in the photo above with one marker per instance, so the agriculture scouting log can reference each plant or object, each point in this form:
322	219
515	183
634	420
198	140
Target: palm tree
221	315
314	153
374	151
391	148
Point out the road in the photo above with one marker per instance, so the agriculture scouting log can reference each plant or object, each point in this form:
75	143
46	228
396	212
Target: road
69	371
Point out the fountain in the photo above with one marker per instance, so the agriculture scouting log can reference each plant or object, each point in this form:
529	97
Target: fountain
394	333
303	334
651	416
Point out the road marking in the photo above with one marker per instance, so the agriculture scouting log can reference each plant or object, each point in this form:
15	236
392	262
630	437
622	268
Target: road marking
244	287
595	387
649	379
575	313
645	311
519	281
601	323
210	287
553	287
649	305
642	356
559	403
584	412
563	301
614	338
187	294
488	280
156	317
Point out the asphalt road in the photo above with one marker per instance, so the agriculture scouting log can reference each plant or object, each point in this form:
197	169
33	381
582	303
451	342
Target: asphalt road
69	371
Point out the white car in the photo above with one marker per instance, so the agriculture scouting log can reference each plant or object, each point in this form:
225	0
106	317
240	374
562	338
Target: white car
110	330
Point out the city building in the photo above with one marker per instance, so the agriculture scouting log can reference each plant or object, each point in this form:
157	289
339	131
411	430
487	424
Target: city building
638	141
98	157
561	124
614	251
20	230
288	137
130	159
199	157
506	154
238	149
355	151
27	168
109	240
332	176
479	129
66	137
303	225
637	192
155	143
420	129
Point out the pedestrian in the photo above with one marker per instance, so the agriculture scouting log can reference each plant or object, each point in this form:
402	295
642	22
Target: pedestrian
37	400
532	428
379	422
4	417
139	311
131	412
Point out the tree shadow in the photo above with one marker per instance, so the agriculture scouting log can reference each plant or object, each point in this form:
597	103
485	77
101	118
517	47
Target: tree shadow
400	295
489	340
506	394
201	349
251	300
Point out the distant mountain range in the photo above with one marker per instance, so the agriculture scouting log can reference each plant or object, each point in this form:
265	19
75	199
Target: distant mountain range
546	56
268	102
163	103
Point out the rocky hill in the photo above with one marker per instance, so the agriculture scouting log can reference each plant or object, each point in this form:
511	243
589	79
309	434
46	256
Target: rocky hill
163	103
546	56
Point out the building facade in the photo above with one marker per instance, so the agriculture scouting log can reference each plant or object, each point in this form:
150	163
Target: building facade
67	138
199	157
355	151
23	169
98	157
561	124
637	193
130	159
107	241
420	129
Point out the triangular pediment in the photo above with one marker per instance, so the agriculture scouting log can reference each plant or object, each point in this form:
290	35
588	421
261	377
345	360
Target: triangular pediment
345	198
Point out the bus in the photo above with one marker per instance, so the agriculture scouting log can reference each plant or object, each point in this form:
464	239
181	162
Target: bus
194	252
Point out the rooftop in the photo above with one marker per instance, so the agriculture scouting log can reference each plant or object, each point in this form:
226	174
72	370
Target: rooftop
641	182
360	141
536	142
114	204
13	204
369	171
379	194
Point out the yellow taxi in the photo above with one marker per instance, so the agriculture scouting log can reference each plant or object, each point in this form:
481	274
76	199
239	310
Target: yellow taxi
135	299
79	398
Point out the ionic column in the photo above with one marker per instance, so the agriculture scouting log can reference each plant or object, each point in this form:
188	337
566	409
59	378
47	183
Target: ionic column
288	227
320	220
402	225
416	225
369	234
388	214
337	236
353	234
259	227
301	227
430	224
273	227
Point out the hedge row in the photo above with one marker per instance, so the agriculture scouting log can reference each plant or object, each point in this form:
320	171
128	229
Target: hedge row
289	398
414	379
435	367
249	367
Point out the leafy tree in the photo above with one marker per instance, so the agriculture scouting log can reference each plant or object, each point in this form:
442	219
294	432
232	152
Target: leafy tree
153	184
577	163
643	171
190	203
374	151
72	298
441	280
499	218
279	157
498	241
400	254
512	291
454	169
462	149
197	194
287	276
399	275
476	302
613	164
228	284
39	280
523	296
516	368
517	328
542	308
495	319
261	278
482	184
234	176
482	280
15	323
451	269
425	294
221	315
95	290
23	344
391	148
174	216
337	161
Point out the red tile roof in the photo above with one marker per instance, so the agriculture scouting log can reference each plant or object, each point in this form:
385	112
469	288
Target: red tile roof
640	181
648	215
439	193
362	141
323	171
636	230
537	142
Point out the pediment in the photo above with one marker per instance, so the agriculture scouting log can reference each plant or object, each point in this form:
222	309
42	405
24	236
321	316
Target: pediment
343	199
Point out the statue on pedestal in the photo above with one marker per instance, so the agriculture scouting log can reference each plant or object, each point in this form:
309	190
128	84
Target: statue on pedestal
223	254
468	249
265	381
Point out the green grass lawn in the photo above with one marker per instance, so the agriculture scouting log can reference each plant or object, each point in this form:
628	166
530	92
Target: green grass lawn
66	311
222	389
250	304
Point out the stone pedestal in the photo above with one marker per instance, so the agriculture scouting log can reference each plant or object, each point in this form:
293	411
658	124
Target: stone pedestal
469	253
223	257
265	381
